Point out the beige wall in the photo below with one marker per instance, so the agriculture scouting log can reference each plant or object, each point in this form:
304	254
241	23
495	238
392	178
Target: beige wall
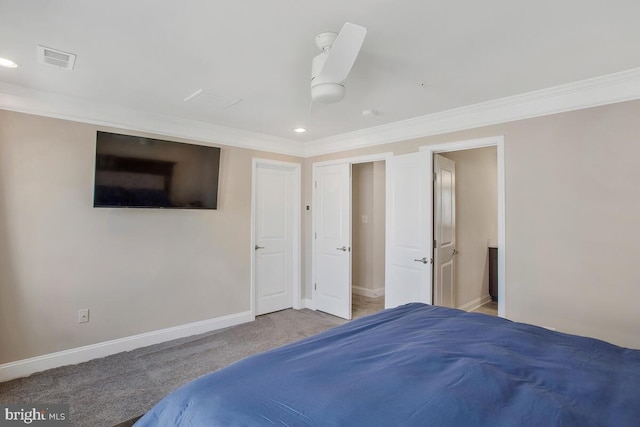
368	188
362	232
572	235
572	207
476	221
137	270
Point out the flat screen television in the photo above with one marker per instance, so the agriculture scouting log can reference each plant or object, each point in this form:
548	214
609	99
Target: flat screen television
138	172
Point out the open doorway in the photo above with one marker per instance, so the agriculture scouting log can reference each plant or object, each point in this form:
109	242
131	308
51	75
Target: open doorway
465	227
367	237
409	230
331	245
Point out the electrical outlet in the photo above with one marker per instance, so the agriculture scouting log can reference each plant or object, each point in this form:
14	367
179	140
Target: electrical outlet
83	315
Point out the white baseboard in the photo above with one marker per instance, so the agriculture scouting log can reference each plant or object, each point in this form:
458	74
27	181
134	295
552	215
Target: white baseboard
371	293
25	367
472	305
308	303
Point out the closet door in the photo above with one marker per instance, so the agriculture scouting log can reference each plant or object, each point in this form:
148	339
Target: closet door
408	230
332	239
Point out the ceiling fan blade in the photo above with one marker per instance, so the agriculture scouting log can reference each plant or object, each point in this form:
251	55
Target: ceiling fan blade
342	55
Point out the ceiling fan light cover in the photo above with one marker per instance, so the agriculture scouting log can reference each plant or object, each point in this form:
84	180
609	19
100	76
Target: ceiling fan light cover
327	93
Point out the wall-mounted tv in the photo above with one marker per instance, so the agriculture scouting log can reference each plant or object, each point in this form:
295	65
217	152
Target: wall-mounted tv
138	172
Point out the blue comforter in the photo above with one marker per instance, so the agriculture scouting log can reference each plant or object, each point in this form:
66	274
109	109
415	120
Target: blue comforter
419	365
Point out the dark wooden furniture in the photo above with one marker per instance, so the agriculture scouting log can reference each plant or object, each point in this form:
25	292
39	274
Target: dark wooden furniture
493	273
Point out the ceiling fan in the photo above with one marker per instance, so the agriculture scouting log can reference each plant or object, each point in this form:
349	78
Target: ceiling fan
330	68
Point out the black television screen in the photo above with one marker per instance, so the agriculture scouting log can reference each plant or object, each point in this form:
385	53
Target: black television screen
138	172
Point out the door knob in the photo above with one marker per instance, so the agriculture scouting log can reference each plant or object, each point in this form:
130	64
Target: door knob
343	249
423	260
258	247
454	252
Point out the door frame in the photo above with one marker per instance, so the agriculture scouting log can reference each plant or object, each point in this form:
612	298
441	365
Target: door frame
498	142
315	166
296	288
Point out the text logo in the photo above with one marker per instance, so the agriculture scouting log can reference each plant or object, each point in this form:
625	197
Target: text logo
34	415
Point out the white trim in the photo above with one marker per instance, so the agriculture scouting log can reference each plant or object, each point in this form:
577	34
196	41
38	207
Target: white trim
356	160
476	303
502	227
608	89
366	292
314	179
603	90
498	142
252	242
25	367
24	100
296	168
308	303
467	144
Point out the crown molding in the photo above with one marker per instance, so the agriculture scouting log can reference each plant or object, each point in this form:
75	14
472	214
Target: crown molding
25	100
608	89
603	90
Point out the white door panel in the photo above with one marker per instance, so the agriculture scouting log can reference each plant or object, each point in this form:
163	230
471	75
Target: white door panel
272	203
445	231
332	233
408	234
274	267
274	233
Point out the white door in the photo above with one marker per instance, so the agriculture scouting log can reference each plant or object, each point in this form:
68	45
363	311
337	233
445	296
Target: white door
408	254
444	225
332	234
274	237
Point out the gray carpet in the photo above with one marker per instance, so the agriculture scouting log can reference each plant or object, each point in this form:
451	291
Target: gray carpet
114	389
488	308
363	306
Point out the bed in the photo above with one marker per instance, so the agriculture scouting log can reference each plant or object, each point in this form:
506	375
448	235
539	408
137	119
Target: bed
418	365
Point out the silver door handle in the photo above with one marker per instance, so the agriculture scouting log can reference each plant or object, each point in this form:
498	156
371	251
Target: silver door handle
343	249
423	260
454	252
258	247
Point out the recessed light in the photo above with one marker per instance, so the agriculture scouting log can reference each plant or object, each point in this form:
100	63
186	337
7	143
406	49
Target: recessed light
300	130
8	63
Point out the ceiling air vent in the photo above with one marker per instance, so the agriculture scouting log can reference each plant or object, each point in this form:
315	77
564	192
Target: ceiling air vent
209	100
56	58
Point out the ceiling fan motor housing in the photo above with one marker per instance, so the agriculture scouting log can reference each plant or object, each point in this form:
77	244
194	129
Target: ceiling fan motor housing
327	92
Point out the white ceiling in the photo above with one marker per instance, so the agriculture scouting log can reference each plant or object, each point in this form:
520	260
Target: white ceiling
419	57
